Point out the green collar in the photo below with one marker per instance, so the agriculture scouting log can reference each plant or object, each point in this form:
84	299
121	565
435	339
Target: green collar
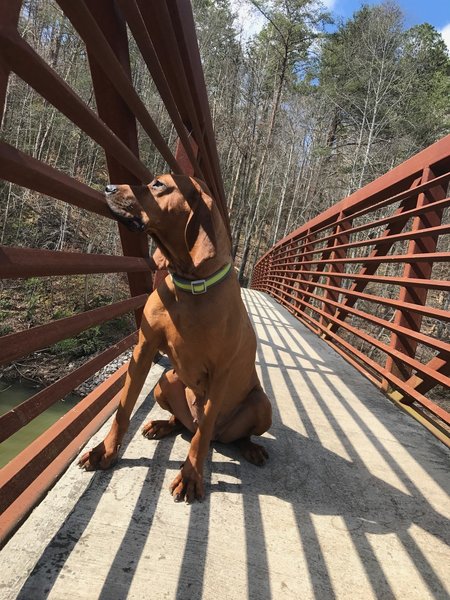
200	286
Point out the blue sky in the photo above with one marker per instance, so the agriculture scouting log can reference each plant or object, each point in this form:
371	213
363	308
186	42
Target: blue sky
436	12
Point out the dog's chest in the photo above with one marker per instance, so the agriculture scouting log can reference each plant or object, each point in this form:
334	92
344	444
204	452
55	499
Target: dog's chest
189	362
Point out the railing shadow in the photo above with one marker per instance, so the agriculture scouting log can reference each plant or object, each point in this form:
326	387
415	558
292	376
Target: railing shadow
313	480
45	573
367	504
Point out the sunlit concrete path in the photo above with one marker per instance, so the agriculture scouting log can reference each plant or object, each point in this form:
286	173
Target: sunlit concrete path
352	503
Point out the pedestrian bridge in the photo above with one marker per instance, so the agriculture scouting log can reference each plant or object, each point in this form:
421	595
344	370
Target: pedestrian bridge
353	502
352	322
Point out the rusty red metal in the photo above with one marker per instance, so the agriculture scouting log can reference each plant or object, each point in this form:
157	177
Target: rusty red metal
321	270
9	11
426	228
25	479
28	65
28	262
15	345
107	44
15	419
438	284
338	245
135	21
116	113
167	41
19	168
350	353
172	32
184	27
378	222
338	250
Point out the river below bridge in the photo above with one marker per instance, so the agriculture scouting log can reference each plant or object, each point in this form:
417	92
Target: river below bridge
11	395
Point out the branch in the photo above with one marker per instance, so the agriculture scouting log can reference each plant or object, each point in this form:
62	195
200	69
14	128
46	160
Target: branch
269	18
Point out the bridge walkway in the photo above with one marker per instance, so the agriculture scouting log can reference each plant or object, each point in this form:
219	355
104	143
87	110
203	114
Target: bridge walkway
352	503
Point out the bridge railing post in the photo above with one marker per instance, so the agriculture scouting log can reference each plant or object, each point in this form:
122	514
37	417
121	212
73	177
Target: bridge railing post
285	278
342	237
267	272
305	280
410	293
116	114
9	18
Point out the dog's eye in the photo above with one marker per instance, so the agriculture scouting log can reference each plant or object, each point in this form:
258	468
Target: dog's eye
158	185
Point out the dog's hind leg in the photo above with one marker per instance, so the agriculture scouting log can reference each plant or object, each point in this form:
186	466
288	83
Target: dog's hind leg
254	417
170	394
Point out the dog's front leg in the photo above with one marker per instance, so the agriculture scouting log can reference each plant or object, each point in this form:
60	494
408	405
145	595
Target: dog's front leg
188	484
105	454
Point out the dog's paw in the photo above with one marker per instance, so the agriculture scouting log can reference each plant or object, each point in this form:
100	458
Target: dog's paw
99	457
188	485
155	430
254	453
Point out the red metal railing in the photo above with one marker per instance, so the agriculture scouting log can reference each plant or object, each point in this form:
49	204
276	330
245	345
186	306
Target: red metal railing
167	41
324	272
337	273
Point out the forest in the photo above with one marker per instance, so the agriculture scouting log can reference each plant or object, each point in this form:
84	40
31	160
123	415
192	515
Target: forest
305	112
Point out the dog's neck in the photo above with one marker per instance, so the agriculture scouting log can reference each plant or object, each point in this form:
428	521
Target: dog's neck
180	263
201	286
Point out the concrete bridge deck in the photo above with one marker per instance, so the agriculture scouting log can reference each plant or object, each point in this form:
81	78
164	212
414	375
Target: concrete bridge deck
352	503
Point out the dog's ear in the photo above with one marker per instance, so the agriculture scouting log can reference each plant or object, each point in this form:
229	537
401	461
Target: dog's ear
199	233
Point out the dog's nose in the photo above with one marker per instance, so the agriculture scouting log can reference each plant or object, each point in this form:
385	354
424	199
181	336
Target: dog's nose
111	189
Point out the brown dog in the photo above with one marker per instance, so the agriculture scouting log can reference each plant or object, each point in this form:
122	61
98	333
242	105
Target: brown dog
197	317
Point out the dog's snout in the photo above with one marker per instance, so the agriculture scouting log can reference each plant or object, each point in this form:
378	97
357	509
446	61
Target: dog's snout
111	189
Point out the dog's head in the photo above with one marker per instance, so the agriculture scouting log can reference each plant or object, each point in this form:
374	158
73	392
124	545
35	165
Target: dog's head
177	211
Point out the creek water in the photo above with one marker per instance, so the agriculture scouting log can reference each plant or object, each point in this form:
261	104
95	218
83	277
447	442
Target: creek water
11	395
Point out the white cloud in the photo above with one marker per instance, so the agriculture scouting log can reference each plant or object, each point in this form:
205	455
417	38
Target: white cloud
248	18
445	32
250	21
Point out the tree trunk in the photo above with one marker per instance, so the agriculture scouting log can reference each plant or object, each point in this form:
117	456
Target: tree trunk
283	194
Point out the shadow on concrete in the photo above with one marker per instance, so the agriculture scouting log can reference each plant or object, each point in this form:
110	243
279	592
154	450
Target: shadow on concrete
317	481
301	472
44	575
